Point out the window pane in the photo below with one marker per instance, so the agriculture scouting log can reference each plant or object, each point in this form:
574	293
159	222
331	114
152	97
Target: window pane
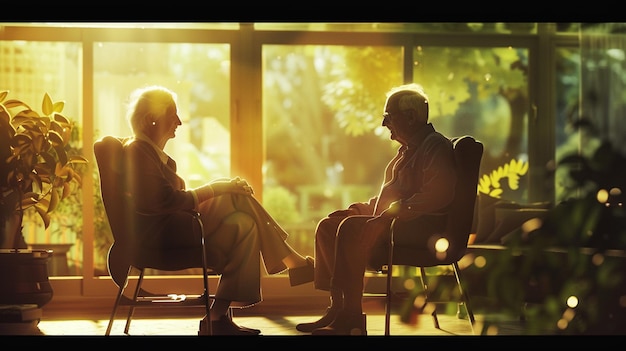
326	147
482	92
199	74
567	138
29	70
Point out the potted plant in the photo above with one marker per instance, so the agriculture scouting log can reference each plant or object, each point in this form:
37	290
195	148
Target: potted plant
36	172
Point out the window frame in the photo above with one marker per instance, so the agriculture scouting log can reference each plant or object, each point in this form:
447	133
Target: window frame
247	149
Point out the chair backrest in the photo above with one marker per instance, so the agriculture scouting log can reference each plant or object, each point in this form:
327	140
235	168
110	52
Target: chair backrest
467	154
109	152
117	198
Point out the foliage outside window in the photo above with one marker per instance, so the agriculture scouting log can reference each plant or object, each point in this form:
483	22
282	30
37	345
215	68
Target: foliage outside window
491	184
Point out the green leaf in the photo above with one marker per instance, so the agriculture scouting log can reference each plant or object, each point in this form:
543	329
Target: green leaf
58	106
46	106
37	184
61	119
21	139
45	217
61	154
55	138
9	104
78	159
48	165
25	117
54	201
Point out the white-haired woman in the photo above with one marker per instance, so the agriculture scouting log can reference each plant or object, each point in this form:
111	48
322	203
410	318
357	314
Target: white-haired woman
237	230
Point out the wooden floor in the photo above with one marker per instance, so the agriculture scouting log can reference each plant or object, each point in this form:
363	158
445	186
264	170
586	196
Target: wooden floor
269	318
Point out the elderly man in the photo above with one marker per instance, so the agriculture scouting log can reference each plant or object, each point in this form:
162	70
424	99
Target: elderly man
418	186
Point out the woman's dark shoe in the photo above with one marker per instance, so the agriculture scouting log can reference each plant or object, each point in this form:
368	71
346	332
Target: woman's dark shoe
326	319
251	330
304	274
225	326
345	324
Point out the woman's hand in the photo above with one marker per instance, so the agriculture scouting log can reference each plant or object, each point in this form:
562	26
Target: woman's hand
242	184
235	186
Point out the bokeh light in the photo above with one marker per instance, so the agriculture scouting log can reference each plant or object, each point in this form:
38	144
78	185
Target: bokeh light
442	245
615	192
492	330
602	196
597	259
419	302
531	225
572	301
409	284
480	261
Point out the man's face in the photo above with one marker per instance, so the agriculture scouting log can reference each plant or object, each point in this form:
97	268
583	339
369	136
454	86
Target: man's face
396	121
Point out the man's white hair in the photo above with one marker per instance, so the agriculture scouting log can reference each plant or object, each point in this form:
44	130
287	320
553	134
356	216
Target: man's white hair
411	97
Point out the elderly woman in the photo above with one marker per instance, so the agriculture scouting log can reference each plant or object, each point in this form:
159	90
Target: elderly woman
237	229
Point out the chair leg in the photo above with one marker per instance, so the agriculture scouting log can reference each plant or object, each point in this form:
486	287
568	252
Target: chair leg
464	295
118	299
115	306
112	318
389	279
425	286
388	299
131	310
205	272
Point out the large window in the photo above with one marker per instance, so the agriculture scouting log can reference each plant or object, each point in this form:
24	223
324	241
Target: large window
326	147
296	107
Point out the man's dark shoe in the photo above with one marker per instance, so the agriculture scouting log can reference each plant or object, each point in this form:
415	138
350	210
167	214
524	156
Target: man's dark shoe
225	326
326	319
345	324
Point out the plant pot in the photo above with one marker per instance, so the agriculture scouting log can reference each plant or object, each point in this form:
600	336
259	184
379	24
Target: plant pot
24	277
57	264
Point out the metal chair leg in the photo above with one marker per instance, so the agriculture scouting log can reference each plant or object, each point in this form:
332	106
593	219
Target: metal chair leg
205	278
131	310
120	293
426	293
389	278
118	299
388	300
464	295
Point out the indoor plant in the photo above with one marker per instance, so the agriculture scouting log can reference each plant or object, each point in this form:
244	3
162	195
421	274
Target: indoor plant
36	168
36	172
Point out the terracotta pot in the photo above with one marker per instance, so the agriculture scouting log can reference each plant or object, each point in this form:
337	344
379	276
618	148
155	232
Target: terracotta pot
24	277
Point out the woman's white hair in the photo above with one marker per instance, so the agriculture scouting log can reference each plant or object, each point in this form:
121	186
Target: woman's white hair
147	105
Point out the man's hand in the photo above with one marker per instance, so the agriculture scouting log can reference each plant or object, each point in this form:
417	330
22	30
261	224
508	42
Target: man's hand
393	210
395	207
342	213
